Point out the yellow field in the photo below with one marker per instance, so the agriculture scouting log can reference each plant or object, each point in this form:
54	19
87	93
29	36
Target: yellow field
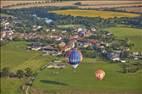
94	13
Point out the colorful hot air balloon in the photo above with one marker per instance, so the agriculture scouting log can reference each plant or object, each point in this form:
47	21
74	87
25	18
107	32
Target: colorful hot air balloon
74	58
100	74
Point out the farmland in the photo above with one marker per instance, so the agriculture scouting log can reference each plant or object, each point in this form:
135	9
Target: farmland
88	4
133	34
130	9
94	13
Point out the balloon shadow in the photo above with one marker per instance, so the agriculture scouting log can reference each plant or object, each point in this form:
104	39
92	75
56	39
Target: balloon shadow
53	82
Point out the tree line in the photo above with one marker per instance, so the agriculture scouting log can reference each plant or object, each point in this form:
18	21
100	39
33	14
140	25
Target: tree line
5	72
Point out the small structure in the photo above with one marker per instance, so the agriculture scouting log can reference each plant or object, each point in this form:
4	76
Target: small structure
6	34
35	46
114	56
56	66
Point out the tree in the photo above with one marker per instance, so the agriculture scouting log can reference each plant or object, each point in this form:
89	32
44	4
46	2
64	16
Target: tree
77	3
5	72
20	74
28	72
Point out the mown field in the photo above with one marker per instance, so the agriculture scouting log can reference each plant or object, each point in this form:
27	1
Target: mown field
133	34
83	81
94	13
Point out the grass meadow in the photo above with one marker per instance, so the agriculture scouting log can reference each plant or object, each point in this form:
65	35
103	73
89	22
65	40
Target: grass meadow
133	34
15	56
83	81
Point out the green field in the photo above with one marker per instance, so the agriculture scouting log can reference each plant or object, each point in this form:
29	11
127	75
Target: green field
94	13
83	81
66	81
15	56
133	34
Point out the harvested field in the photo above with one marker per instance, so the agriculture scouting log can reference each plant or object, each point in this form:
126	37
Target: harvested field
84	4
110	5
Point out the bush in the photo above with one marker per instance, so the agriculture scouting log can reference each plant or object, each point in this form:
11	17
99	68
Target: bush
20	74
130	67
28	72
77	3
89	53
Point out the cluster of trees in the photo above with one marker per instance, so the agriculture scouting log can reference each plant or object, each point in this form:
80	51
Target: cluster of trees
131	67
134	22
89	53
29	20
5	72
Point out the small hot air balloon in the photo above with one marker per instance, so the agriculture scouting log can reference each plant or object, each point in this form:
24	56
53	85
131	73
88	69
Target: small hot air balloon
74	58
61	45
100	74
81	33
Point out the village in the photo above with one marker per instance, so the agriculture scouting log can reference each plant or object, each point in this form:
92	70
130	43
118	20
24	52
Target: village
60	42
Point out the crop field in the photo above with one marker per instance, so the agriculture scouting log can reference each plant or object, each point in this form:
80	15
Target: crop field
83	81
93	13
15	56
133	34
88	4
112	5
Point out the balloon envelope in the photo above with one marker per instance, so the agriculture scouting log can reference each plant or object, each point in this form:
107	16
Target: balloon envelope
100	74
74	57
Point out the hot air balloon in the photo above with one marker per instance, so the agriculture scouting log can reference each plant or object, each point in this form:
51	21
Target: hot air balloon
82	33
61	45
100	74
74	58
